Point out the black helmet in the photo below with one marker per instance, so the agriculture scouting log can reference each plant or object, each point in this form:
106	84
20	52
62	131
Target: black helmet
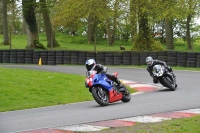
149	61
90	64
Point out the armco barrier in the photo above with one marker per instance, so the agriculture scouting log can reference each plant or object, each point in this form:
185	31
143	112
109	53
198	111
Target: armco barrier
197	59
44	57
181	59
126	58
59	57
162	55
118	58
82	57
13	56
20	56
66	57
135	58
29	57
51	57
109	58
6	56
1	56
74	57
191	59
100	57
172	58
143	56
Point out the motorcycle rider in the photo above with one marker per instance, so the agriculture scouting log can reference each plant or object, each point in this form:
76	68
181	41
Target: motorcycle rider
92	65
151	63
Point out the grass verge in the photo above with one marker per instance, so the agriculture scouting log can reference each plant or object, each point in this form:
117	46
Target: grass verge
23	89
183	125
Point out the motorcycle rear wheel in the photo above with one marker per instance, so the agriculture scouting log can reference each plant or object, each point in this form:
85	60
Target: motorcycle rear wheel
126	96
100	96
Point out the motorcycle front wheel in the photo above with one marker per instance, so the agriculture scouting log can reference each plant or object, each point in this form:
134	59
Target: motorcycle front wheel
100	96
168	85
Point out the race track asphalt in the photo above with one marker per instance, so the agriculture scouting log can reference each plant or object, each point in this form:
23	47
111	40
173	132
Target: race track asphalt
160	100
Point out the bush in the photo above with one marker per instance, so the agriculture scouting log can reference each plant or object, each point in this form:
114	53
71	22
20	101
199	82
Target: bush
141	43
156	46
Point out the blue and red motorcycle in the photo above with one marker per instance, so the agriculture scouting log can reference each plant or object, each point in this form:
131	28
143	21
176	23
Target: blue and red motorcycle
104	90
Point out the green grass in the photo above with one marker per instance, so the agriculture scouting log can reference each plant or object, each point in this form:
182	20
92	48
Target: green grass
23	89
68	42
183	125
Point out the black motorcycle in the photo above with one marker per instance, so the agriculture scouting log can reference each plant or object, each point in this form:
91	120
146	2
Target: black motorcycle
164	77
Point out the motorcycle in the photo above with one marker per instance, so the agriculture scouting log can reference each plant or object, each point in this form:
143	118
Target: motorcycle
164	77
104	90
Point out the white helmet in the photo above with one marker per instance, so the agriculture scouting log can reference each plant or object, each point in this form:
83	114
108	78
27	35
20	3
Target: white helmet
90	64
149	61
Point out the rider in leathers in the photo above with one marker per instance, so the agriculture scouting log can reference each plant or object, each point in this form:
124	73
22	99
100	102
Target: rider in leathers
151	63
91	65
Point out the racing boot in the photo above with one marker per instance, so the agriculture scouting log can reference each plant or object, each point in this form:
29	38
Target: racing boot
120	86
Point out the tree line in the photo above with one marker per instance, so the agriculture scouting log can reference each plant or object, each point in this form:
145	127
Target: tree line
139	20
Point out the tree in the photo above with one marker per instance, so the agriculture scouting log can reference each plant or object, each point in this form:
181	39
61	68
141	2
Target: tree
143	40
5	24
23	31
167	11
112	24
171	10
192	8
28	7
169	34
1	17
91	28
188	36
51	41
88	13
133	19
14	16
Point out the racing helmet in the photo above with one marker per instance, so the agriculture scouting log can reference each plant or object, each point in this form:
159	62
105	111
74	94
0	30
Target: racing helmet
149	61
90	64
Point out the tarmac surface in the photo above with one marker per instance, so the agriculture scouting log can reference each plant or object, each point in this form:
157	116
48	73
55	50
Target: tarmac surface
152	103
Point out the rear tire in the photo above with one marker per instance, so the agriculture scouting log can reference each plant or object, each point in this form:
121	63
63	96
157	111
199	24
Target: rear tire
99	96
126	96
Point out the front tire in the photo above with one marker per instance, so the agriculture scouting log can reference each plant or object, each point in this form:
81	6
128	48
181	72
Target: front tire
100	96
168	85
126	96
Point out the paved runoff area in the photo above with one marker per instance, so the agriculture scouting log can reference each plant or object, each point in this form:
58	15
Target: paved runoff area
101	125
